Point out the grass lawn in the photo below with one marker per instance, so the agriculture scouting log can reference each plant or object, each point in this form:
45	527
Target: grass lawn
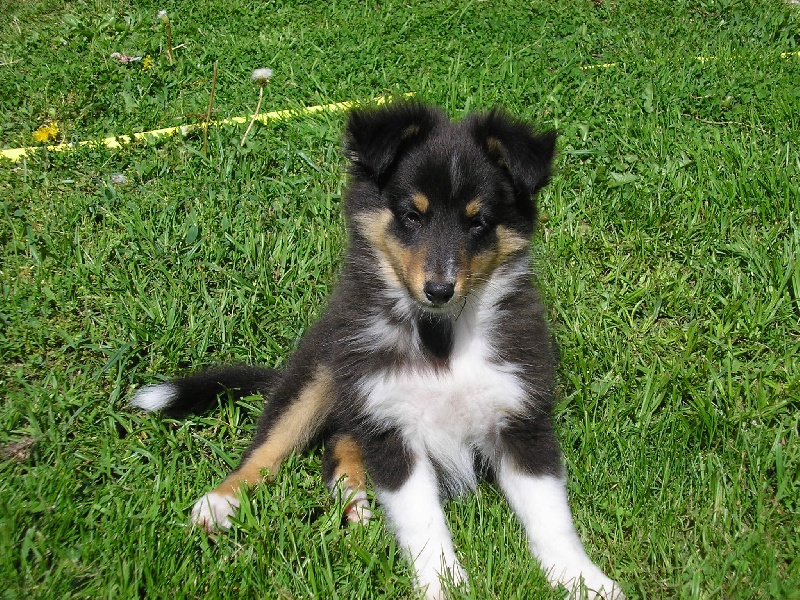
669	253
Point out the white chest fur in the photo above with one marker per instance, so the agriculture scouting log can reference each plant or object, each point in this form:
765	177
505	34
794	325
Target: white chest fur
453	413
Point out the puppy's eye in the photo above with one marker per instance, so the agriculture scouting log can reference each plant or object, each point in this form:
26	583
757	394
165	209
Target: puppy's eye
478	226
411	218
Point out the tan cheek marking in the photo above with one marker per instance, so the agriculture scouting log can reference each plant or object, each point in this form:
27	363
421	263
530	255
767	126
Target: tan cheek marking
473	208
408	266
420	202
478	268
414	270
509	242
373	225
349	463
475	270
462	277
293	431
481	265
401	266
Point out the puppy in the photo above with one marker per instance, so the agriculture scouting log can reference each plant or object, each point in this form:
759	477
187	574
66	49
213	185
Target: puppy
433	364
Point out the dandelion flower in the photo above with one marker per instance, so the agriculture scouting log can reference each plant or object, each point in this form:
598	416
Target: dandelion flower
47	132
147	63
262	75
162	14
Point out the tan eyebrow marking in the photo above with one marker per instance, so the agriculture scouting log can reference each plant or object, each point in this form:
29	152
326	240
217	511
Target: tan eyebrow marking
420	202
473	208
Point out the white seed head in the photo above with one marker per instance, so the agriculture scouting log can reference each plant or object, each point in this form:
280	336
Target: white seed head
262	75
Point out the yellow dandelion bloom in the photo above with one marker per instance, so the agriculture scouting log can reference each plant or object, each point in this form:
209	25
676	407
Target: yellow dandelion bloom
147	63
47	132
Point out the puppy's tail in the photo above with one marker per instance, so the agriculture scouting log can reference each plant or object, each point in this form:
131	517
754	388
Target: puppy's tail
197	393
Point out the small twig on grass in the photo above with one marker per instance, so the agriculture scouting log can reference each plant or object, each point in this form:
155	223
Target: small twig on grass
261	76
723	123
210	106
710	122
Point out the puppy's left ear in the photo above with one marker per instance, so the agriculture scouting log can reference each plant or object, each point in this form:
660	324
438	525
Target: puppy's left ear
512	144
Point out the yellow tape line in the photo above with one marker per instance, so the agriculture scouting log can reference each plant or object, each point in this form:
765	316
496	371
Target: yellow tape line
603	66
117	141
700	59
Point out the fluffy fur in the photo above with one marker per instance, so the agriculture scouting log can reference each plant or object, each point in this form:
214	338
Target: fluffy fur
432	364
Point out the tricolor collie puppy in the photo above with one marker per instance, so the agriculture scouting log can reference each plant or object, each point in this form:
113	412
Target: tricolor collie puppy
432	365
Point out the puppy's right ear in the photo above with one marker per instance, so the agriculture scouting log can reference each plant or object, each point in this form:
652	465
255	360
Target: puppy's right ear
377	137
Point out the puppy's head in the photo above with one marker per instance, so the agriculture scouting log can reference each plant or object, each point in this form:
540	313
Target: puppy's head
442	205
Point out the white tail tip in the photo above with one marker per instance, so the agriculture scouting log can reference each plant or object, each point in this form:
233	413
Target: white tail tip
155	397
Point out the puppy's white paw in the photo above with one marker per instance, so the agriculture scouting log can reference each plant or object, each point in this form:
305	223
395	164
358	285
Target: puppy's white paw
214	511
592	584
608	590
458	576
454	575
357	509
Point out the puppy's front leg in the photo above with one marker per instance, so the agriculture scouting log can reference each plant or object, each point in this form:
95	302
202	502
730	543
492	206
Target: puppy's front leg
540	502
414	510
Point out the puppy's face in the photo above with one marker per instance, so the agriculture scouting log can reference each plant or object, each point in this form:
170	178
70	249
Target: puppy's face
443	205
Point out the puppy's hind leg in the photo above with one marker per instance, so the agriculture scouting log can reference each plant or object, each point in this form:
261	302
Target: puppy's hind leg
295	414
343	468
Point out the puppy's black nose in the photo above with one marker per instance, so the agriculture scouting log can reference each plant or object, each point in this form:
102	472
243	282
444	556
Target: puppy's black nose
439	292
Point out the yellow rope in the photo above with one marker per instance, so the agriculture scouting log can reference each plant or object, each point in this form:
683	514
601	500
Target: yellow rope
117	141
16	154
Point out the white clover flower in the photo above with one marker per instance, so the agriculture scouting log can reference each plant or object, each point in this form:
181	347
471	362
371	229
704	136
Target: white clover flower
162	14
